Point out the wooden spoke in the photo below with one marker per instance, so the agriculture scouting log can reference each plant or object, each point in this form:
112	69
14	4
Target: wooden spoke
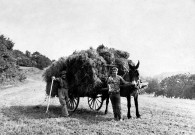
95	103
73	103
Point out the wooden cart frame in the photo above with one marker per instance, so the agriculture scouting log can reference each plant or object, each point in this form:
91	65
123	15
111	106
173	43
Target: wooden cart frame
95	100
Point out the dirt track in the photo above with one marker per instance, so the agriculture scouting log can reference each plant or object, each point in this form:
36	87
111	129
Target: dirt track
29	92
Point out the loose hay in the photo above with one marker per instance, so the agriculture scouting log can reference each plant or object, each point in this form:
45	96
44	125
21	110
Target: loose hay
87	70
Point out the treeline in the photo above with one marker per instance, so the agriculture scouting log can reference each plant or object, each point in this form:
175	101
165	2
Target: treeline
11	59
27	59
177	86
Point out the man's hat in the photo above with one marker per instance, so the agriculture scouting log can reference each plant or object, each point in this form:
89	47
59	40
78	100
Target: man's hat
114	69
63	72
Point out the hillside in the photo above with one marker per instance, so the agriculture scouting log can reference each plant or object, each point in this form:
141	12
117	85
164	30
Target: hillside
11	60
29	72
163	75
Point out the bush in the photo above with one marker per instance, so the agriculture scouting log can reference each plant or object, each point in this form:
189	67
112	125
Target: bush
26	62
8	68
21	77
189	92
35	60
40	60
153	86
180	85
6	42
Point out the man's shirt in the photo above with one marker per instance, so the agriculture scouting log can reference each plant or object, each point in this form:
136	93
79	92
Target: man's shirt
114	83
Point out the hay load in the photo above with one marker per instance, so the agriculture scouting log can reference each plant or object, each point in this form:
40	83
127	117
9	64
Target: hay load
116	57
106	53
54	70
86	70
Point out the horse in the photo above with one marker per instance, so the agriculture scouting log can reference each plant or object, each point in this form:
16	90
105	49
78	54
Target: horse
129	90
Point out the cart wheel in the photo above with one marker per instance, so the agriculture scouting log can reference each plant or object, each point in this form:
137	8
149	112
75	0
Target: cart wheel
73	103
95	103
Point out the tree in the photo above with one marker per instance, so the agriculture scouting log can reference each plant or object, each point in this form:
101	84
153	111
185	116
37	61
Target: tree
189	92
18	54
36	54
181	85
8	68
41	60
153	86
28	54
6	42
6	56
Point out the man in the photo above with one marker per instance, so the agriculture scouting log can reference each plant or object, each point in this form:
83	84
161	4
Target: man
63	93
114	82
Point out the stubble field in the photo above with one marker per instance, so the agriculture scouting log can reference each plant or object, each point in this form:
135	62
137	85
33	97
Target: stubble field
19	114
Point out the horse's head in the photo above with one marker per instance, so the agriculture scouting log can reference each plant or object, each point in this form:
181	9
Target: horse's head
134	74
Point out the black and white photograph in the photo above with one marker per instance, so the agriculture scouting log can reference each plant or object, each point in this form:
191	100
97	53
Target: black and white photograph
97	67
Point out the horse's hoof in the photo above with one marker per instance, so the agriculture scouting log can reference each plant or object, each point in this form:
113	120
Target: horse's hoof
129	117
138	116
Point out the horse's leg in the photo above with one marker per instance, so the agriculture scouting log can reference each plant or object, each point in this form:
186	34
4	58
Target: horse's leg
136	105
107	102
129	106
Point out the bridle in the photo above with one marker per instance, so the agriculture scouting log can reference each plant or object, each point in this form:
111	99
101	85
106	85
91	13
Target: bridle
137	84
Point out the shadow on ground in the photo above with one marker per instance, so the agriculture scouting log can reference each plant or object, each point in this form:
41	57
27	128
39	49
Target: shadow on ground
38	112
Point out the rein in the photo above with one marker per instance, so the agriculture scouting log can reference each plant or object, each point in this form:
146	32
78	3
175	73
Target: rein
137	83
125	74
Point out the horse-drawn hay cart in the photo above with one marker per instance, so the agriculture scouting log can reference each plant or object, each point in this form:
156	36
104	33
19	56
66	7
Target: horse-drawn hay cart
95	100
87	72
95	97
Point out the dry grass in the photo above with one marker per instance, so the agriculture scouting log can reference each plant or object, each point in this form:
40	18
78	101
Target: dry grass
19	115
159	116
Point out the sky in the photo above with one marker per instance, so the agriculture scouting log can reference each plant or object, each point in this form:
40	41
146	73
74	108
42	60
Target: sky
158	33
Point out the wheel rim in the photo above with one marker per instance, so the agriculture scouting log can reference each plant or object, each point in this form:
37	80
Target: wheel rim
95	103
73	104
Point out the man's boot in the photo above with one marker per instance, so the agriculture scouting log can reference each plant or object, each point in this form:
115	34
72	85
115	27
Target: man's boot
64	111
